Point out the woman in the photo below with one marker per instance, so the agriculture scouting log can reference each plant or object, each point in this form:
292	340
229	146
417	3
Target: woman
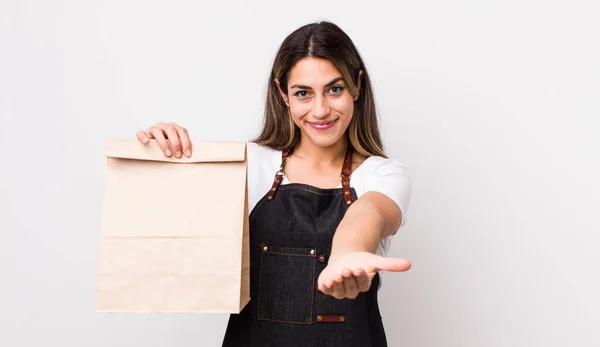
323	199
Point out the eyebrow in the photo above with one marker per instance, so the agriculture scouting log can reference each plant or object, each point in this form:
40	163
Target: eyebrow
334	81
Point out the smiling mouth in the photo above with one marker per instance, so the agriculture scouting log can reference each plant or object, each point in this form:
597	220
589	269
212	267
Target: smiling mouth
323	125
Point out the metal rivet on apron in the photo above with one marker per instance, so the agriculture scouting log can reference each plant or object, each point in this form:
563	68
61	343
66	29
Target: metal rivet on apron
265	248
312	251
273	189
345	183
347	193
348	202
269	197
342	318
319	318
322	259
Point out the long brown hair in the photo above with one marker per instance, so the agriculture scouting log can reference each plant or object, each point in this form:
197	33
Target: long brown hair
327	41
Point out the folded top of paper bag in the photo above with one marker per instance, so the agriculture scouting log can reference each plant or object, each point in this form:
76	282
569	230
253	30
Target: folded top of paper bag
202	151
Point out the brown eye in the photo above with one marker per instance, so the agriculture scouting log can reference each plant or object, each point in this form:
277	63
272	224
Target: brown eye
301	93
337	90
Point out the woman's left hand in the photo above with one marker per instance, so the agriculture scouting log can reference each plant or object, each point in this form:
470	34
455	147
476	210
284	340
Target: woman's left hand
348	274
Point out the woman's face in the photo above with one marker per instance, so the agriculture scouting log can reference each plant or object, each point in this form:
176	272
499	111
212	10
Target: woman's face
319	102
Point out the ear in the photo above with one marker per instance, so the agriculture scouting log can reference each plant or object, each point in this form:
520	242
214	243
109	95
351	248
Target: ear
358	84
285	98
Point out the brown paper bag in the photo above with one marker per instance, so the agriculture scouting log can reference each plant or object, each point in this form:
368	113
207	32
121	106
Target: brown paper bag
174	233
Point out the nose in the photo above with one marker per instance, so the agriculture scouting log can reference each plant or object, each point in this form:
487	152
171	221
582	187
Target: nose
321	107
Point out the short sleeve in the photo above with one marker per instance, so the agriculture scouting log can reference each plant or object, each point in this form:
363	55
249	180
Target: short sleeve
263	163
392	178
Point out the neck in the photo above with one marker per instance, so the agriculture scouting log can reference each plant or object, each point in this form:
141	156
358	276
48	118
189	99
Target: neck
331	154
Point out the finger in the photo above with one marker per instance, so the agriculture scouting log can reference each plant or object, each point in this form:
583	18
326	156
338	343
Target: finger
160	138
350	284
173	137
362	279
327	287
338	288
392	264
324	285
184	137
143	137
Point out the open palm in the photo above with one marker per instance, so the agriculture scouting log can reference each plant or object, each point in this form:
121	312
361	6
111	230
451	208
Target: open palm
351	273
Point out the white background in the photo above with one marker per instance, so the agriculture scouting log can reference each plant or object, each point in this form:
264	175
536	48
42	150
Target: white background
493	105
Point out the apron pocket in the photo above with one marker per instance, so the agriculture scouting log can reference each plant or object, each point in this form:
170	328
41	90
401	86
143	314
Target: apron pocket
286	286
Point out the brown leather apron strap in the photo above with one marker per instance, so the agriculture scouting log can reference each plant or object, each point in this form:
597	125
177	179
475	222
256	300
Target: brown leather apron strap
278	176
346	171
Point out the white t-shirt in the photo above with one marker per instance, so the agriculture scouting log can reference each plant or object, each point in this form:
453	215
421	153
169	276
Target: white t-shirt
388	176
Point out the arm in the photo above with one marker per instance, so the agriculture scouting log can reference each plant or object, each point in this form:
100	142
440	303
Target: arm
368	220
375	215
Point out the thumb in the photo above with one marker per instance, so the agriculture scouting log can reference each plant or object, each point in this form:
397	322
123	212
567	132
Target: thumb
392	264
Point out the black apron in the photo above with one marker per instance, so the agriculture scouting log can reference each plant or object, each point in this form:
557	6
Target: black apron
291	231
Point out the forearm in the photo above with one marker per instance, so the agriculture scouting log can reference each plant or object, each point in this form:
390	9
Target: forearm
360	230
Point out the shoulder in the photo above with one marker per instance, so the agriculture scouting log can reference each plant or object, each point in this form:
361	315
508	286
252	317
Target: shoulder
263	162
258	150
262	157
388	176
375	167
379	165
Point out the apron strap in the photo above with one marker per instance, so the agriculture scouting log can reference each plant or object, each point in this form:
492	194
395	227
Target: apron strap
345	175
346	171
278	176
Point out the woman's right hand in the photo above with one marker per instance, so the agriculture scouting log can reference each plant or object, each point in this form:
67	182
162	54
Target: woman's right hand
172	138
